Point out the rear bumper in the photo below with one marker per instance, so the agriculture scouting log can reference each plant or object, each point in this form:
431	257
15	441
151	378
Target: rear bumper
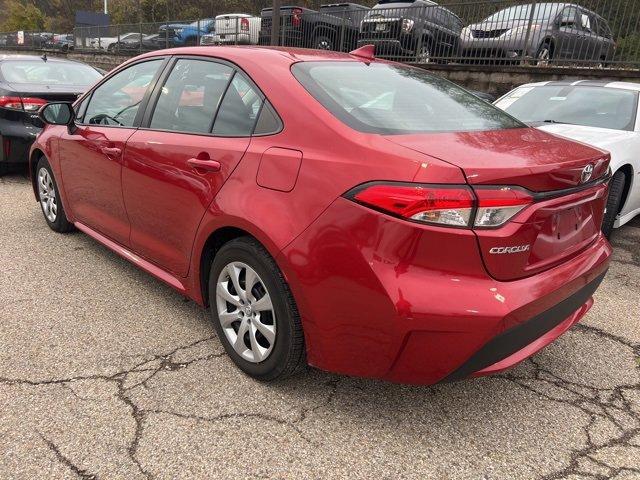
16	139
384	298
288	38
523	340
228	38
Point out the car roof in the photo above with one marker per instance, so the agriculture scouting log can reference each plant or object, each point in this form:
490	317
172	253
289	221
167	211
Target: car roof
587	83
242	54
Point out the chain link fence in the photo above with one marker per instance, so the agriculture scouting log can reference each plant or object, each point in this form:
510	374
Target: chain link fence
594	33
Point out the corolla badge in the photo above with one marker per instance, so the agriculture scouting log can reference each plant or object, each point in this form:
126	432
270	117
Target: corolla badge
586	173
516	249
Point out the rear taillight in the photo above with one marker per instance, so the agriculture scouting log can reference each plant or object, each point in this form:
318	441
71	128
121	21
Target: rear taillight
244	24
296	17
12	103
31	104
28	104
437	204
445	205
498	205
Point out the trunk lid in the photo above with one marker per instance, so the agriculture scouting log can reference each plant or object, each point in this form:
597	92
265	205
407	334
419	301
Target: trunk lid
566	210
52	93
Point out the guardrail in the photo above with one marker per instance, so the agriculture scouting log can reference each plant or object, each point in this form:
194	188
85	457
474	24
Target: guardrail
594	33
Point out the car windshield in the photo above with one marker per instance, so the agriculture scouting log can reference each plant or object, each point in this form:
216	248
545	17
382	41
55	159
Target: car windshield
523	12
590	106
49	73
394	99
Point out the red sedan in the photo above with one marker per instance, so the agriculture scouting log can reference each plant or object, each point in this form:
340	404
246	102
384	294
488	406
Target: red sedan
357	215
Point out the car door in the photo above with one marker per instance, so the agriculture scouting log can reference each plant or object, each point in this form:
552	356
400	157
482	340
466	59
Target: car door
570	36
594	41
194	134
91	153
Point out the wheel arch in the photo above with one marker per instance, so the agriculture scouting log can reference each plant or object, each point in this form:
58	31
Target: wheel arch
548	40
627	169
34	157
324	30
213	243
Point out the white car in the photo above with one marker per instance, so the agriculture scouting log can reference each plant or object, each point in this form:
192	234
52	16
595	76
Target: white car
107	43
602	114
235	29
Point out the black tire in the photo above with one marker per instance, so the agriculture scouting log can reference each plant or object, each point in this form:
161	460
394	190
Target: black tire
614	202
4	169
323	42
287	356
60	224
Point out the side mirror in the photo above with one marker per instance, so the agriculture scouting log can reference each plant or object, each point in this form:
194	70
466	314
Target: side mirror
57	113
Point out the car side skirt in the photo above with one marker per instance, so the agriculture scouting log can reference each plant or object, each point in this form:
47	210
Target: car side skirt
138	261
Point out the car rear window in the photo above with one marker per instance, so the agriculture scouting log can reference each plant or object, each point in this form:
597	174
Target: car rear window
48	73
590	106
395	99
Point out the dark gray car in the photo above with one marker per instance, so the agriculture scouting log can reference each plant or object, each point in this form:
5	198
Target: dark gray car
418	30
550	31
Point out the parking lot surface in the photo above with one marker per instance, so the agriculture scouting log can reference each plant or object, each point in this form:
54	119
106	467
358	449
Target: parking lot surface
107	373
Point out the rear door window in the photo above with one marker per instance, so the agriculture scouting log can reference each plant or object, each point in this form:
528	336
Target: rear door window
239	109
569	17
603	28
189	98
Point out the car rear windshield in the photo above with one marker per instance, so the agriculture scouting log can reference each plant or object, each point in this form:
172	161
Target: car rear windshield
590	106
394	99
48	73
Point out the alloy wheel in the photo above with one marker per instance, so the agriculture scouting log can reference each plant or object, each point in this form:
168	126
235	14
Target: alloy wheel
47	195
544	56
324	45
245	312
424	56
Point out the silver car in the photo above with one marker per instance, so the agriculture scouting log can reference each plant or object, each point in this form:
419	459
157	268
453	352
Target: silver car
545	32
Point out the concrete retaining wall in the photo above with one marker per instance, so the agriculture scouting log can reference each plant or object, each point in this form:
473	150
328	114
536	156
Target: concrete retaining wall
496	80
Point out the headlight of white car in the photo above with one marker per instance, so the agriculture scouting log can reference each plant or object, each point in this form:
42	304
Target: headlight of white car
466	33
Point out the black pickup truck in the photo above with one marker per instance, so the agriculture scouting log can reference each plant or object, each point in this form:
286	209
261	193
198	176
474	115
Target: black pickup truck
333	27
418	30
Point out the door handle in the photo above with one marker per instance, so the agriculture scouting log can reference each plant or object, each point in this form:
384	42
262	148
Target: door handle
202	165
111	152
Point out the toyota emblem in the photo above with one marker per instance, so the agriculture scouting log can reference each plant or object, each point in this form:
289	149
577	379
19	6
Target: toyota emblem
586	173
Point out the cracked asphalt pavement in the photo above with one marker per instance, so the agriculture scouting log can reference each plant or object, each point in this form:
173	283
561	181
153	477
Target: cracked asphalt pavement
106	373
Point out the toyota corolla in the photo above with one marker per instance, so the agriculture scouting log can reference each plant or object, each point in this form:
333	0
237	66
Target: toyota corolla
330	209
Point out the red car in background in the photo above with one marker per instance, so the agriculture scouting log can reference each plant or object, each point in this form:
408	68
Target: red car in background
360	216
